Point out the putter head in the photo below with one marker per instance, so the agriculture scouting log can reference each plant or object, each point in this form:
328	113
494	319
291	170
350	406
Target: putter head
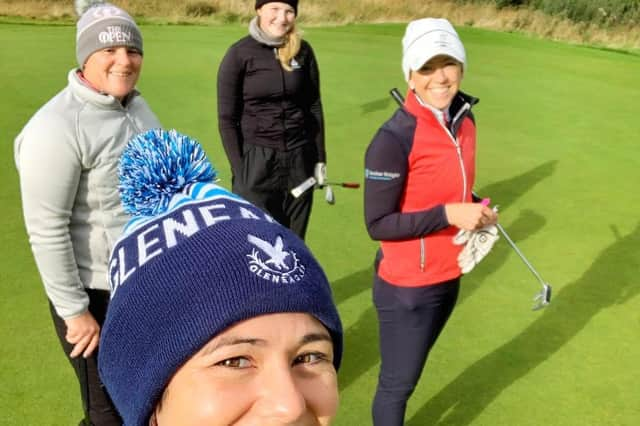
543	298
328	195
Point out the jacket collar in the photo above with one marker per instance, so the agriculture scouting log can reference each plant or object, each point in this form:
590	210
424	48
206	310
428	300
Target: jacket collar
459	108
91	95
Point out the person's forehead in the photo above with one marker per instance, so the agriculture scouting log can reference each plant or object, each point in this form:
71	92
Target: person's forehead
261	330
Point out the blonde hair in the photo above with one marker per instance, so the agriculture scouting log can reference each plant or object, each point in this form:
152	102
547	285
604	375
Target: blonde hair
290	48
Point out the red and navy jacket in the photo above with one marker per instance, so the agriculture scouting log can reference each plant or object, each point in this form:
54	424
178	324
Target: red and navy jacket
413	167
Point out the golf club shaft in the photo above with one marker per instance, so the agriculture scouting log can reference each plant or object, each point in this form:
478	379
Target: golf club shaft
309	183
517	250
352	185
397	96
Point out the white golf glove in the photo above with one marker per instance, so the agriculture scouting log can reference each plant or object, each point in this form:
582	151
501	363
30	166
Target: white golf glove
462	237
478	244
320	173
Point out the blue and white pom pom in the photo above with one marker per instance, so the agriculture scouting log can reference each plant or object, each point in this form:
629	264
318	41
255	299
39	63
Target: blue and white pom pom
157	164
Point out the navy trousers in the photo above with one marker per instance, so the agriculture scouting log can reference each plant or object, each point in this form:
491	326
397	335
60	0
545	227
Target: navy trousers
410	320
96	404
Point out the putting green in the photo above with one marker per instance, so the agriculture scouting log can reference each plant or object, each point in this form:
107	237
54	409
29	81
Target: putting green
558	135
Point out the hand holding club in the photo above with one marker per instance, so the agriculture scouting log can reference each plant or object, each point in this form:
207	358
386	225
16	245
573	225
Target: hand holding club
320	173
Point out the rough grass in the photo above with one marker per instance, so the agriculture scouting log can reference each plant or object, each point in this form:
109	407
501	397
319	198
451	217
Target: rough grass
603	12
556	24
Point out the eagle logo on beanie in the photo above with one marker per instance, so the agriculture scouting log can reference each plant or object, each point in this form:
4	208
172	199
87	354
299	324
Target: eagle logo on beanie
279	265
275	252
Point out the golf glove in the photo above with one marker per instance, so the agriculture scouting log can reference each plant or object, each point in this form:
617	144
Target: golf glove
320	173
478	245
462	237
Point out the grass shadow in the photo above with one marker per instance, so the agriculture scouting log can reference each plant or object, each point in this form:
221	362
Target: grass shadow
377	105
361	338
610	280
352	285
505	192
361	348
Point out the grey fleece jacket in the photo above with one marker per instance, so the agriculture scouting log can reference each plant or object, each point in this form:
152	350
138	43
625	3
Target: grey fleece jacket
67	158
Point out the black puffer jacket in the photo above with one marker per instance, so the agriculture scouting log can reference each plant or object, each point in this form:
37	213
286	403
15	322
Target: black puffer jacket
261	103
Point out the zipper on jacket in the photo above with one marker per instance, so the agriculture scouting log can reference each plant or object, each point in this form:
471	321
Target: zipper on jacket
132	121
462	110
282	101
466	107
422	254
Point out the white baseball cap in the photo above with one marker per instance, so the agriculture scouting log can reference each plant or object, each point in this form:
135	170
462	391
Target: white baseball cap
429	37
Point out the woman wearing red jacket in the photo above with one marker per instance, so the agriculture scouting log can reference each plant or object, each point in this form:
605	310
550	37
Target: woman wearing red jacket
420	170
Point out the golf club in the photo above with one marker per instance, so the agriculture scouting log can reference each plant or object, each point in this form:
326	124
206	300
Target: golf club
541	299
351	185
310	182
397	96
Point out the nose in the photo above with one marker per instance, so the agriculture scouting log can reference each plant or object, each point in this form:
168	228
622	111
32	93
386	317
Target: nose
122	55
284	15
282	400
440	75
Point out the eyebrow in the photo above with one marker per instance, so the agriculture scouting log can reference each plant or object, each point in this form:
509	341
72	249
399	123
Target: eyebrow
231	341
315	337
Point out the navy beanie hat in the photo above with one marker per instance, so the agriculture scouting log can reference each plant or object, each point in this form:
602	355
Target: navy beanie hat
292	3
194	260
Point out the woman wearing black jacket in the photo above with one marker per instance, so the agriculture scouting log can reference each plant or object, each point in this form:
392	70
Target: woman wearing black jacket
270	115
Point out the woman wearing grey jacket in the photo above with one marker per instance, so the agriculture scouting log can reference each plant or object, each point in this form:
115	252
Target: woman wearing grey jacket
67	157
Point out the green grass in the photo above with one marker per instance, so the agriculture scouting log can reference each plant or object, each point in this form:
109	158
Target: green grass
558	150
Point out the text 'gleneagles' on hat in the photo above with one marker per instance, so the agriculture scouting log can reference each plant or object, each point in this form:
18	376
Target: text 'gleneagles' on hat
292	3
427	38
101	25
194	260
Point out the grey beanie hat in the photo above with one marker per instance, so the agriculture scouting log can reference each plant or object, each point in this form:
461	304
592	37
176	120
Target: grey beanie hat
103	25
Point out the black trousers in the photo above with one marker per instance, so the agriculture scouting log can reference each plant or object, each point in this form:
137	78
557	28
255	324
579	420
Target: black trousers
97	406
267	177
410	320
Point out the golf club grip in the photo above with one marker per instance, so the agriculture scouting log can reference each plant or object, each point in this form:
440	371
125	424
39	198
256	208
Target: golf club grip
353	185
397	96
